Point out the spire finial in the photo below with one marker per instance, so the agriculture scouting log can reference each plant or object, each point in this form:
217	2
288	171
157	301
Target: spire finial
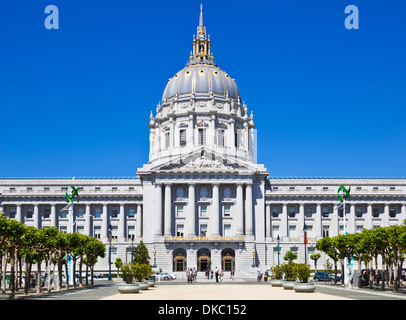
201	16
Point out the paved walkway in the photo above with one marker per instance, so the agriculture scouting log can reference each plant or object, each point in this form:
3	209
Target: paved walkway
226	290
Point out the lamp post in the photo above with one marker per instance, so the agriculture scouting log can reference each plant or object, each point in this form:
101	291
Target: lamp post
154	253
132	248
110	251
253	256
305	241
279	247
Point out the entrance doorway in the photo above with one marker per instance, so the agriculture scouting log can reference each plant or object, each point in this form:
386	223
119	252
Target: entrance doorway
203	259
179	259
228	259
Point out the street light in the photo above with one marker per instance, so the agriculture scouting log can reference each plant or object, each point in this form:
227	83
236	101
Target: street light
154	252
279	247
253	256
305	241
110	236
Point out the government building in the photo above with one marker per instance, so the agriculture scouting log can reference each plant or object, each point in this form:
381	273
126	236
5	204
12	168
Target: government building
202	200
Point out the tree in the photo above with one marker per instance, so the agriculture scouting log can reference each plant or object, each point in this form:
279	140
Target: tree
118	264
140	254
315	257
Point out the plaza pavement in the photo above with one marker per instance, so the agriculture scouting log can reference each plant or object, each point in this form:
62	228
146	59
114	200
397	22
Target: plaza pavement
225	290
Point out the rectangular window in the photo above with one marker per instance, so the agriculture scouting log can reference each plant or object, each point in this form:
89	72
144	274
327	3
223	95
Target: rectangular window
30	213
275	213
81	229
97	232
227	230
46	213
326	231
392	212
179	230
81	212
202	137
114	213
63	214
63	229
203	230
308	212
131	212
179	211
114	233
275	231
97	212
203	211
12	213
166	139
182	137
227	211
292	231
220	138
131	232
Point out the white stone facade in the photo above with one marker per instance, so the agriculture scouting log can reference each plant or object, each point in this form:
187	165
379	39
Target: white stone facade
202	200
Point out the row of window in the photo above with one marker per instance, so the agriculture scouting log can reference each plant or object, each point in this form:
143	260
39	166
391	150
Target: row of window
291	188
180	230
359	213
203	210
221	138
79	212
64	189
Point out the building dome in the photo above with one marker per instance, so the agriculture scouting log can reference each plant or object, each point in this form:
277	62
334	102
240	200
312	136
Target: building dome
201	79
201	76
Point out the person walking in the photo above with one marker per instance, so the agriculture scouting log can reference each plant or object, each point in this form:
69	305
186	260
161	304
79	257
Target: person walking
216	272
221	275
194	274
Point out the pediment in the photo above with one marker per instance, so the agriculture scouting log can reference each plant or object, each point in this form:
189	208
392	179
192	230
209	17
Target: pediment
202	160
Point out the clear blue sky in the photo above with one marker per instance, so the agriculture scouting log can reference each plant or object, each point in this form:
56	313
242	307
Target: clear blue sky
327	101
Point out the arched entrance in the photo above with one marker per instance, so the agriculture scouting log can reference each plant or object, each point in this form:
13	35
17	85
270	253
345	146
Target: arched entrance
203	259
179	259
228	259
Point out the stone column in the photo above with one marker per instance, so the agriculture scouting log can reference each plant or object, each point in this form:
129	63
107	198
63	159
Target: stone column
168	210
158	216
139	221
248	212
368	218
88	221
268	220
385	218
317	221
240	211
36	216
105	223
351	219
53	216
18	212
191	218
122	223
334	230
215	213
283	229
300	221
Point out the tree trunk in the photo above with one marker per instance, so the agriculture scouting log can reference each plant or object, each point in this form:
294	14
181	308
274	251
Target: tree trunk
4	272
27	277
342	272
38	284
12	274
80	272
59	284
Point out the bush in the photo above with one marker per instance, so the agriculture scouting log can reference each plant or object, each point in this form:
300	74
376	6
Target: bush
277	272
302	271
289	271
136	271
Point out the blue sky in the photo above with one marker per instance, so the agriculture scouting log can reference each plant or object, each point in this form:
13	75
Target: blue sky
327	101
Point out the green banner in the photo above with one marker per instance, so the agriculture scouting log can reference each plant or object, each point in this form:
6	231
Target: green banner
345	195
